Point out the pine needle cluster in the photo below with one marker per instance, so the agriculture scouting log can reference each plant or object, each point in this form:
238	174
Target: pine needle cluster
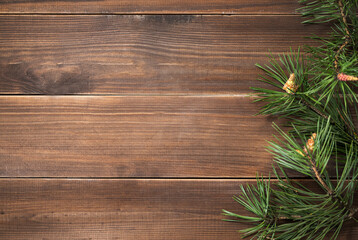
317	92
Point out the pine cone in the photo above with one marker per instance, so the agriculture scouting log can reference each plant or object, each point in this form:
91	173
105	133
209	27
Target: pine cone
345	77
310	143
309	146
290	86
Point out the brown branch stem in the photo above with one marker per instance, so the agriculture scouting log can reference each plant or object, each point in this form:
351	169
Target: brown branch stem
352	211
313	108
353	133
347	36
319	177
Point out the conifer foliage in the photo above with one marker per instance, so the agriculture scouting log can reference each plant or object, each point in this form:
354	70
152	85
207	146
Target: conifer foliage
317	92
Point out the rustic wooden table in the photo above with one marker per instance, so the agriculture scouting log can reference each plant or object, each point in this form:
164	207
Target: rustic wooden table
131	119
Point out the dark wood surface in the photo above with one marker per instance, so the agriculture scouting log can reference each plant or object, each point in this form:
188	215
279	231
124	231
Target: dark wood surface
121	209
150	7
152	136
147	54
159	129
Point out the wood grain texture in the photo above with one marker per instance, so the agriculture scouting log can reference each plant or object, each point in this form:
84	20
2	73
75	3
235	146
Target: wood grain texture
146	130
122	209
150	7
141	54
104	136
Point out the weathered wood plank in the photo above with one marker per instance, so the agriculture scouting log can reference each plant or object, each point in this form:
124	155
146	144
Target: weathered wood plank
152	54
104	136
121	209
150	7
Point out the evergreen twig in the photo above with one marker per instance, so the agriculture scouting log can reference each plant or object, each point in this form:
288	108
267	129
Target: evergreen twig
318	98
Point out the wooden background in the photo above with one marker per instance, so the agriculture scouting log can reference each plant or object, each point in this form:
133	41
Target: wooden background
132	119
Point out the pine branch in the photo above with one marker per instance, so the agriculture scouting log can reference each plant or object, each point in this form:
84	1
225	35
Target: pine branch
316	98
294	96
274	208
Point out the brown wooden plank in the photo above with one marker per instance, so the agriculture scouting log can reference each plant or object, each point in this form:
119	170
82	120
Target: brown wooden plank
150	7
106	136
121	209
152	54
